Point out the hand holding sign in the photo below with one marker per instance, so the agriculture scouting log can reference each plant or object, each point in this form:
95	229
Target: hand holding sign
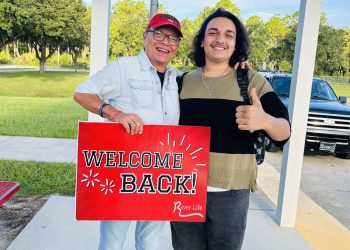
131	122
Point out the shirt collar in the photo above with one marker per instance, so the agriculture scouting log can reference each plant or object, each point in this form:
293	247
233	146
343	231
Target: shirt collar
146	63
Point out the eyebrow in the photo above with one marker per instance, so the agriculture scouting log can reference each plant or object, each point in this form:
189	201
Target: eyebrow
175	35
216	29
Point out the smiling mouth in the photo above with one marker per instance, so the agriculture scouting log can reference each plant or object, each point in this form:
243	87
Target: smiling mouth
162	50
216	47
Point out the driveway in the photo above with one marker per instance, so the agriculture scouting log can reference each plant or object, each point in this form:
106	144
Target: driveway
326	180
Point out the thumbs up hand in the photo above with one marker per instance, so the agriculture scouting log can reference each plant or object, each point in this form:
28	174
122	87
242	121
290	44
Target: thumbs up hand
255	98
251	117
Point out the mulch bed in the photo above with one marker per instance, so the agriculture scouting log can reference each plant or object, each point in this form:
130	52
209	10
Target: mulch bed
15	215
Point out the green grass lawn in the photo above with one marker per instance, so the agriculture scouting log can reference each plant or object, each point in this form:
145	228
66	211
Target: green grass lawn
32	84
342	89
39	178
40	105
40	117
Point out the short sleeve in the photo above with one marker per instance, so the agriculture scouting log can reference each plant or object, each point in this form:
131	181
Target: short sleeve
273	106
105	83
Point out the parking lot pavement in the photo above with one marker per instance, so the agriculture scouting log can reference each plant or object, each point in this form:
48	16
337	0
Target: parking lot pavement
325	179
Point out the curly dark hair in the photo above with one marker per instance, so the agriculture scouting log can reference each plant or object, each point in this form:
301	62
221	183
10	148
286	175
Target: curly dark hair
241	52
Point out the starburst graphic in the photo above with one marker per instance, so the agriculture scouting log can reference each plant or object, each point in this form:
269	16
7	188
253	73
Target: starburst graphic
192	154
108	187
90	179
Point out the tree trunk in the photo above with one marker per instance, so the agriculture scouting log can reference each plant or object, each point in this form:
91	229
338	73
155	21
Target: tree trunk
74	58
58	56
31	52
42	60
15	49
8	53
85	51
42	67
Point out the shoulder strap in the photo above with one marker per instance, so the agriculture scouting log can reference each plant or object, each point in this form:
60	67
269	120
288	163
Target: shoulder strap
243	82
179	80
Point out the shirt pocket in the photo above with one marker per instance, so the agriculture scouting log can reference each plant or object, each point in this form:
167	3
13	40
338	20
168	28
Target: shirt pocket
142	93
171	87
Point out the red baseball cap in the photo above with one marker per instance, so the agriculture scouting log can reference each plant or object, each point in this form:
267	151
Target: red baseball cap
164	20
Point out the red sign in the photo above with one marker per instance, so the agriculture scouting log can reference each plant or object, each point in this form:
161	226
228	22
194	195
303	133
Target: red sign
159	175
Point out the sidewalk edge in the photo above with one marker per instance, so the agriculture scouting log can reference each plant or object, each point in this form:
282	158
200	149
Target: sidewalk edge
320	229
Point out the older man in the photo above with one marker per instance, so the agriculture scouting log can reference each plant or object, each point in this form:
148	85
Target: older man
135	91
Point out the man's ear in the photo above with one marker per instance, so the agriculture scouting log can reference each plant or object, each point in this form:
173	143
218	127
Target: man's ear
144	35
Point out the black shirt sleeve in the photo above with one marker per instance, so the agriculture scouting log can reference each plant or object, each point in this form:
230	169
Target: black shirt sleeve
273	106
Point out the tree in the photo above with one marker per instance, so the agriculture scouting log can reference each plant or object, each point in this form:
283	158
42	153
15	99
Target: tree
258	40
46	24
284	50
277	28
331	43
182	60
128	22
79	38
5	25
9	23
346	51
225	4
330	49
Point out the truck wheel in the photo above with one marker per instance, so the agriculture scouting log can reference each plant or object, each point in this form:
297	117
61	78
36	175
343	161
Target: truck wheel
343	155
269	146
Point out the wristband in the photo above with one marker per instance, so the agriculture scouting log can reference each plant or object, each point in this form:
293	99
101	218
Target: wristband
100	110
115	114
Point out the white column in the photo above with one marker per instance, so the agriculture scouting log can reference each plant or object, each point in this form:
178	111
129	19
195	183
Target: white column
99	46
303	69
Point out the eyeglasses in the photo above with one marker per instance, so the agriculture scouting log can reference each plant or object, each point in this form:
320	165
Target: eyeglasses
160	36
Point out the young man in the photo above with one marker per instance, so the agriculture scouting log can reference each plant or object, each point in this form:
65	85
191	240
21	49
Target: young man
211	97
134	91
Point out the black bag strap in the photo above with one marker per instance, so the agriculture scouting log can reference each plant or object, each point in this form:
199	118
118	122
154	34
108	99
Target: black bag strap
243	82
180	80
259	138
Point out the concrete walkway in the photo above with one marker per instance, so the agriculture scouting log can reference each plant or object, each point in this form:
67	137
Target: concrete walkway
38	149
54	226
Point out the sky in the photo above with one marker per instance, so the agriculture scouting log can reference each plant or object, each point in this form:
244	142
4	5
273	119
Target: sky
337	11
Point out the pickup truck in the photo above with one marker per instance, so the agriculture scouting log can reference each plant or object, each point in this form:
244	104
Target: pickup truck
328	125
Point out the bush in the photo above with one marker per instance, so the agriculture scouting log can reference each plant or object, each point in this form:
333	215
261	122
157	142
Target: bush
5	58
26	59
83	63
285	66
65	61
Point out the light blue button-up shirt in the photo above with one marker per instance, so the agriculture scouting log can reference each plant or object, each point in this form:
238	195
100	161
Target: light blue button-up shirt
132	85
